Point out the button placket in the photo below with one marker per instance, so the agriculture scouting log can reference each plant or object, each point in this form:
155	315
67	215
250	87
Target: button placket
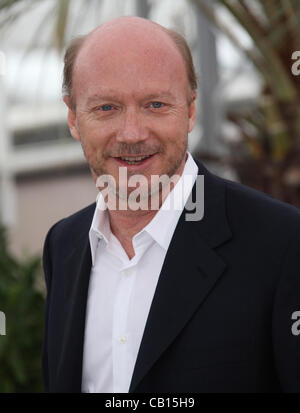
120	333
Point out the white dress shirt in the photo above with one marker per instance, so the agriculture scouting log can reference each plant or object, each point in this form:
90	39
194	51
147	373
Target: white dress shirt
121	290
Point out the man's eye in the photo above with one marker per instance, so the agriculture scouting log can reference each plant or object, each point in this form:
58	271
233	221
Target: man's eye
156	105
106	108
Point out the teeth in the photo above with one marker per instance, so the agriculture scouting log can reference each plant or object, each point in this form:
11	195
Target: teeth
137	159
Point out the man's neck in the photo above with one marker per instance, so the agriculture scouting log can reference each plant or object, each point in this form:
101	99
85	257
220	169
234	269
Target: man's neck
126	224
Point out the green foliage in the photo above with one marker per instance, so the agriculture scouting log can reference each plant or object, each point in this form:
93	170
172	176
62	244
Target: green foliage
23	305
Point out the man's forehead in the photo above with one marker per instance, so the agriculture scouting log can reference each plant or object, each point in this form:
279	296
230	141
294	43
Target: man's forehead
127	36
129	56
121	29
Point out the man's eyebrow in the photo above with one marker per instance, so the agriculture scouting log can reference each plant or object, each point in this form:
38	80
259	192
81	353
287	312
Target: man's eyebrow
159	95
97	97
111	96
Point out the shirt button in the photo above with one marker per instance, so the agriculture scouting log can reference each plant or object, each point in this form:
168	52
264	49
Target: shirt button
123	340
127	272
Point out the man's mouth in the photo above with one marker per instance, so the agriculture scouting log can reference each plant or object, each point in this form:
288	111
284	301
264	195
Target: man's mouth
134	160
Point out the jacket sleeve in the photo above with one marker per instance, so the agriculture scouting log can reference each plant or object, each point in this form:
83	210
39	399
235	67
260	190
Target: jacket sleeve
48	277
286	320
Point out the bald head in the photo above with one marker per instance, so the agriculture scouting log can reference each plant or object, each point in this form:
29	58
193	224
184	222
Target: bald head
121	41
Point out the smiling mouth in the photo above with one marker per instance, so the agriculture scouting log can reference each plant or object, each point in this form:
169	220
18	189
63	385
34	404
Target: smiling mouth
134	160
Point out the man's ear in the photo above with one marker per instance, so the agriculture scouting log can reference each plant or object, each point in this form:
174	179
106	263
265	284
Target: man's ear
72	118
192	112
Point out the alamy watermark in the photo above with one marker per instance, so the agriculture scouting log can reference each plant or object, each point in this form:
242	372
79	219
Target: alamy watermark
296	324
296	65
153	195
2	324
2	63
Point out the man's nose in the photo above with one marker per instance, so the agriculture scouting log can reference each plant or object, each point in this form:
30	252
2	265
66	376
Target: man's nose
132	128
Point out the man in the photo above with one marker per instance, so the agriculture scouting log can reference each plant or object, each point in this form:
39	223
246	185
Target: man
143	299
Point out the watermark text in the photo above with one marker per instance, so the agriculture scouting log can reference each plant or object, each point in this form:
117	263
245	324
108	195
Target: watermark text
2	324
136	192
296	325
296	65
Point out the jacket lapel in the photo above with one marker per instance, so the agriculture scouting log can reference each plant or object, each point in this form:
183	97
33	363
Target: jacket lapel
189	273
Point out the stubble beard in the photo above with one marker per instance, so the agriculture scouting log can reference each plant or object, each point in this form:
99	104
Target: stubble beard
98	169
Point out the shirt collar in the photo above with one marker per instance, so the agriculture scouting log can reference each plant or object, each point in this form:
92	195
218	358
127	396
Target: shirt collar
100	228
162	226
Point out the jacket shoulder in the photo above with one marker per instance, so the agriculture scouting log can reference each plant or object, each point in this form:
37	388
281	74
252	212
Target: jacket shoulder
72	227
259	209
245	203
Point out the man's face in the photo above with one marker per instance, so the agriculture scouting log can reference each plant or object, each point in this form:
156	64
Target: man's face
132	102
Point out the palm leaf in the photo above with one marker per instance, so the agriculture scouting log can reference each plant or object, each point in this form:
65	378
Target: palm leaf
61	22
281	81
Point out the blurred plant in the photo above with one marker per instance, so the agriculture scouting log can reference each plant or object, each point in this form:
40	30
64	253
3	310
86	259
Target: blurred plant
56	15
268	154
65	16
23	305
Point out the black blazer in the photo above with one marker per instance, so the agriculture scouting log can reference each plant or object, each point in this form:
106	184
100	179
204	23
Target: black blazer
221	317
